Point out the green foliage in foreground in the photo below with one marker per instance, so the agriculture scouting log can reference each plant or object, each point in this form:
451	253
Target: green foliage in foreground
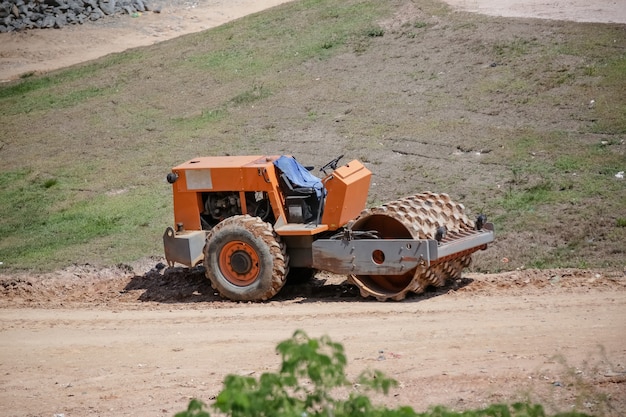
311	375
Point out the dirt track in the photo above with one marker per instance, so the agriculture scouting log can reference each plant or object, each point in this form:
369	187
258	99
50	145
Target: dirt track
46	50
84	342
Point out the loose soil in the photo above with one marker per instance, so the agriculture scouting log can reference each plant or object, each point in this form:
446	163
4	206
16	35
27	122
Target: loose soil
88	341
137	340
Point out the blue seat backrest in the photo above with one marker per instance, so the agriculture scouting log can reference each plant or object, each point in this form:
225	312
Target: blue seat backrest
298	175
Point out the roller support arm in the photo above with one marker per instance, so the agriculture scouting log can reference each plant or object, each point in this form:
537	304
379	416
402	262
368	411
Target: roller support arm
394	256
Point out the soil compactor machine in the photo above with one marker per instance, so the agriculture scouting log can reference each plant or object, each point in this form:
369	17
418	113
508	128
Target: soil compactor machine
250	219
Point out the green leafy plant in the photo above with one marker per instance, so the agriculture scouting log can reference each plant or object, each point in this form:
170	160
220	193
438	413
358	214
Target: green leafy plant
308	382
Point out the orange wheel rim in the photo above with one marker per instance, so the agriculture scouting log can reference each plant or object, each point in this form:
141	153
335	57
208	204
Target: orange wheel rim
239	263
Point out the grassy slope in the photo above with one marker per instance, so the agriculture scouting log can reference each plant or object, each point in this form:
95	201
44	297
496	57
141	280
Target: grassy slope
85	150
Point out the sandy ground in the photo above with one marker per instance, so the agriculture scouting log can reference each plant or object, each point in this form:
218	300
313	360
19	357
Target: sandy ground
45	50
84	342
81	342
601	11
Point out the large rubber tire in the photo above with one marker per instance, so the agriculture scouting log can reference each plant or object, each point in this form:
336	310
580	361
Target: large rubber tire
245	260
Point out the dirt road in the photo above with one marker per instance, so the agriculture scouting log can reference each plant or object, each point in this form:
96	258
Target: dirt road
603	11
46	50
86	344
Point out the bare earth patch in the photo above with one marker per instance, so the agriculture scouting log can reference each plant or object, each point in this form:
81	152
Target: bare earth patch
116	342
135	340
601	11
45	50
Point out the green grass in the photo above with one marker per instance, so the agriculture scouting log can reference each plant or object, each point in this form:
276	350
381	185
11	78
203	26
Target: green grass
257	92
64	89
610	107
56	221
43	102
513	48
201	120
575	174
286	37
32	84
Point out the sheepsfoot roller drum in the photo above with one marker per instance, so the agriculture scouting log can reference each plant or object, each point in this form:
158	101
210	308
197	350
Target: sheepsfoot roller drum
430	241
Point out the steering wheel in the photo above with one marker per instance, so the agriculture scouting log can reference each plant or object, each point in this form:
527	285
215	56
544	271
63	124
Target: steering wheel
332	164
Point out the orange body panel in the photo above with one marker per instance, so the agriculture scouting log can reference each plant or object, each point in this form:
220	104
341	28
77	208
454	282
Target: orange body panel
214	174
347	189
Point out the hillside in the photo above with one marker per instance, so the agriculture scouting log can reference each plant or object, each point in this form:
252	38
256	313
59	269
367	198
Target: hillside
520	119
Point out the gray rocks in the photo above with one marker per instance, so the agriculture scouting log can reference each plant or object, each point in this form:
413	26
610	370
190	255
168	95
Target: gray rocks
107	6
32	14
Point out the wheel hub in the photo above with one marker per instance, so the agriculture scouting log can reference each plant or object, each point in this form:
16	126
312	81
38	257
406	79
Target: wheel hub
240	262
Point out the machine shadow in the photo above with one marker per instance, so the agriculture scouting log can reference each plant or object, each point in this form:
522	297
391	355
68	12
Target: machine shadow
173	285
315	290
189	285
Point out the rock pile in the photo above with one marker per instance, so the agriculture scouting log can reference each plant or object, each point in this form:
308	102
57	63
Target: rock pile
30	14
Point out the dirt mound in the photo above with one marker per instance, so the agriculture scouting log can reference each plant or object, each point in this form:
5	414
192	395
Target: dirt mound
546	281
128	287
